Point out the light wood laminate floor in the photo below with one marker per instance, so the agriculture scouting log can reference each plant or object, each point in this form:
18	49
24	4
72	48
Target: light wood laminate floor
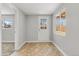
39	49
7	48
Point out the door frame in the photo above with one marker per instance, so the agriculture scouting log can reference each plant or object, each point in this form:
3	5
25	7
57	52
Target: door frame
1	31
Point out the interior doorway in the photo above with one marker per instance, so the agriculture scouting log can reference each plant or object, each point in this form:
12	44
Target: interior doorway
7	34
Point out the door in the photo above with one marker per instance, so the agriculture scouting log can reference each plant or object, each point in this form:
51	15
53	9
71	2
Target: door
43	33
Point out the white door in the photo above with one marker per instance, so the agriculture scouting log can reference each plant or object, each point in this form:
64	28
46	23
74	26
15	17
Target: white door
43	34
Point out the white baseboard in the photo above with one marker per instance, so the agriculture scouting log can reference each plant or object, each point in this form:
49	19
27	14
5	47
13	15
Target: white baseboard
40	41
8	41
20	46
60	49
14	54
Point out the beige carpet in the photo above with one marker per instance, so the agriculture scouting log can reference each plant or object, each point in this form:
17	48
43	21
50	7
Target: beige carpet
39	49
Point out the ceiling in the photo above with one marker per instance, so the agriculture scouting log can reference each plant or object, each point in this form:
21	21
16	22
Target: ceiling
37	8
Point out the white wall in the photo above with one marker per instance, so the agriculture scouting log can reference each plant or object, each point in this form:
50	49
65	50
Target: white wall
32	28
69	43
20	34
0	39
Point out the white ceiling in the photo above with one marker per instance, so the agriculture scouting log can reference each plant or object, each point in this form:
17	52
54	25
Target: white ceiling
37	8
